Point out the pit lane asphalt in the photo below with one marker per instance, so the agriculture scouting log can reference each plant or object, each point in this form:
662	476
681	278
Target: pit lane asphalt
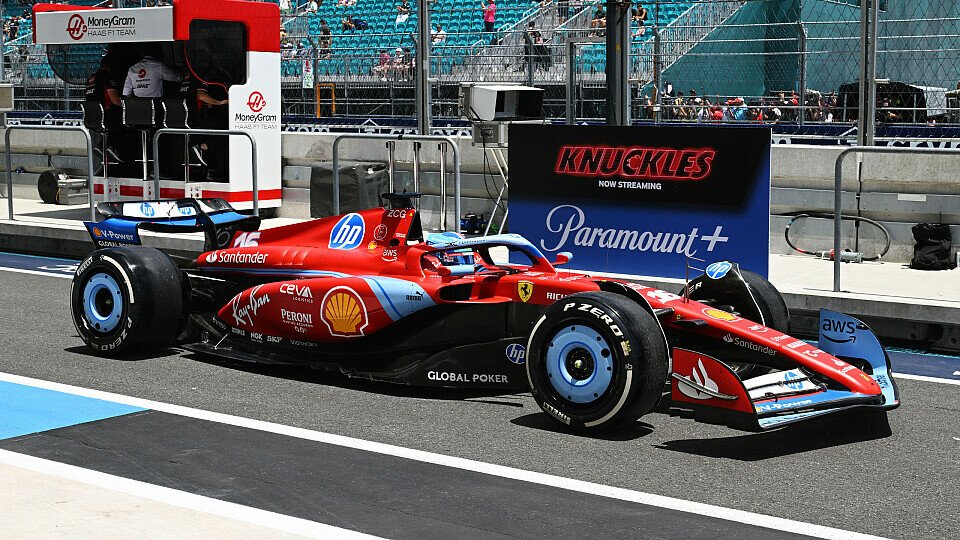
842	472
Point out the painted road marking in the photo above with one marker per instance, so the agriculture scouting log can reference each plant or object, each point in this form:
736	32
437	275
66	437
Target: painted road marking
924	378
650	499
29	409
182	499
41	266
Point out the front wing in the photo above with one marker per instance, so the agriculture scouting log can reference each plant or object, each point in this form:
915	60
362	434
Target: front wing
714	393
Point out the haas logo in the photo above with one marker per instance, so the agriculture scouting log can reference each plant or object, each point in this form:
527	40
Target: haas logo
256	102
76	28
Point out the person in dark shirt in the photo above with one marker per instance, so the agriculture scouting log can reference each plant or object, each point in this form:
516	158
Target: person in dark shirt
104	87
212	100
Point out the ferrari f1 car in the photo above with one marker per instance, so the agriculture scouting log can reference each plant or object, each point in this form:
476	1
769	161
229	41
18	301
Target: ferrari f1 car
366	294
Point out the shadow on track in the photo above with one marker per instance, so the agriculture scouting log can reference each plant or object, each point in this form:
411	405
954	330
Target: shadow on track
339	380
324	377
835	430
86	351
543	422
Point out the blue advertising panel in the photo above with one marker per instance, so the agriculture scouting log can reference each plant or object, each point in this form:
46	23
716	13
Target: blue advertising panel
640	199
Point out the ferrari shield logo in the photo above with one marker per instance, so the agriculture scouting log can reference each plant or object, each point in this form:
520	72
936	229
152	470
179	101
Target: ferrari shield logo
525	289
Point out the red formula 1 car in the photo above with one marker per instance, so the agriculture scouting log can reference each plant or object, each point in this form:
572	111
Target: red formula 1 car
367	294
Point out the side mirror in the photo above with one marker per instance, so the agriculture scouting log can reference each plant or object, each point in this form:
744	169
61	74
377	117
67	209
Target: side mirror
563	258
444	271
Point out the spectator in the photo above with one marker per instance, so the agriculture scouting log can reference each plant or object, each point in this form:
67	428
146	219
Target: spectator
400	64
439	36
701	113
679	110
286	46
885	113
490	19
534	48
403	12
326	39
599	22
312	7
737	110
284	6
347	23
716	113
383	66
640	19
360	24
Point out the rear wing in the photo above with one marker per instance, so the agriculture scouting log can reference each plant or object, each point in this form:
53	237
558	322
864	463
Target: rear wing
214	217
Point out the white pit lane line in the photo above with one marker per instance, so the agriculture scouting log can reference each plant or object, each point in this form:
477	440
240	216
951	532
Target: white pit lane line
181	499
708	510
60	275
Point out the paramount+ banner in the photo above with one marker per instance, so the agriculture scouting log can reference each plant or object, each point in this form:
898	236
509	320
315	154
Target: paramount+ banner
639	200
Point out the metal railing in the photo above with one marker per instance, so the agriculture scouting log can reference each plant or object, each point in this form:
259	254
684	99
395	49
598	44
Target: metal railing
186	133
838	190
416	164
9	152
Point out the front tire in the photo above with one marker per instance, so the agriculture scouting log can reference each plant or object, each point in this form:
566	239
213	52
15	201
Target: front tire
596	360
758	301
127	301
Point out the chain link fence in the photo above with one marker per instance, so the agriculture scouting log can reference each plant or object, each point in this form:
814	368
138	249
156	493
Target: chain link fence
771	61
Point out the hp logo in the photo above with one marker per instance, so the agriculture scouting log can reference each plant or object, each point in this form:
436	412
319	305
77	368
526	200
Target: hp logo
718	269
791	382
348	232
516	353
147	210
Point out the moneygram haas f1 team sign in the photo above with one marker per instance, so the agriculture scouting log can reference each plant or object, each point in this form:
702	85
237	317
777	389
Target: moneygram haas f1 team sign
639	200
104	25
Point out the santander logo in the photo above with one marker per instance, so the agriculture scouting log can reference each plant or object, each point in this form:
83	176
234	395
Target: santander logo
701	378
76	28
256	102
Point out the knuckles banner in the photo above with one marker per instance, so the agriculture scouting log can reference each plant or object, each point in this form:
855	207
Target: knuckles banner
639	200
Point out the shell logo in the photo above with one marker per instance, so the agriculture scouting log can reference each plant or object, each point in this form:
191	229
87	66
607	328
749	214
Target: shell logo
343	312
721	315
97	232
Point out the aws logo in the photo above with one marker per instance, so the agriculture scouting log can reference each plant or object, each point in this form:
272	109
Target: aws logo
846	328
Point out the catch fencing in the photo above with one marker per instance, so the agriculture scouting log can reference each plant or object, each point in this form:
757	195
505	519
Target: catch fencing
770	61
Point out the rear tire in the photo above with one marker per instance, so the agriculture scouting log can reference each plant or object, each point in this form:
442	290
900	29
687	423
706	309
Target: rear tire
127	301
596	360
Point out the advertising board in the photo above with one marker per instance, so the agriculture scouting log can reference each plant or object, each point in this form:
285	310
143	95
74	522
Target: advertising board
640	200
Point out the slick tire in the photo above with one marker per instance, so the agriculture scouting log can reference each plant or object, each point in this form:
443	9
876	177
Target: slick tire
768	298
127	301
770	308
596	361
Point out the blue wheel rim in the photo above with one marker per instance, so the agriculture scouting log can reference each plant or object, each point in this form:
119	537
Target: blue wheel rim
102	303
578	342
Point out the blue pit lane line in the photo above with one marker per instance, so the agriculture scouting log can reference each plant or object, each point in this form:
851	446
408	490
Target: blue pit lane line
38	265
905	361
27	409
